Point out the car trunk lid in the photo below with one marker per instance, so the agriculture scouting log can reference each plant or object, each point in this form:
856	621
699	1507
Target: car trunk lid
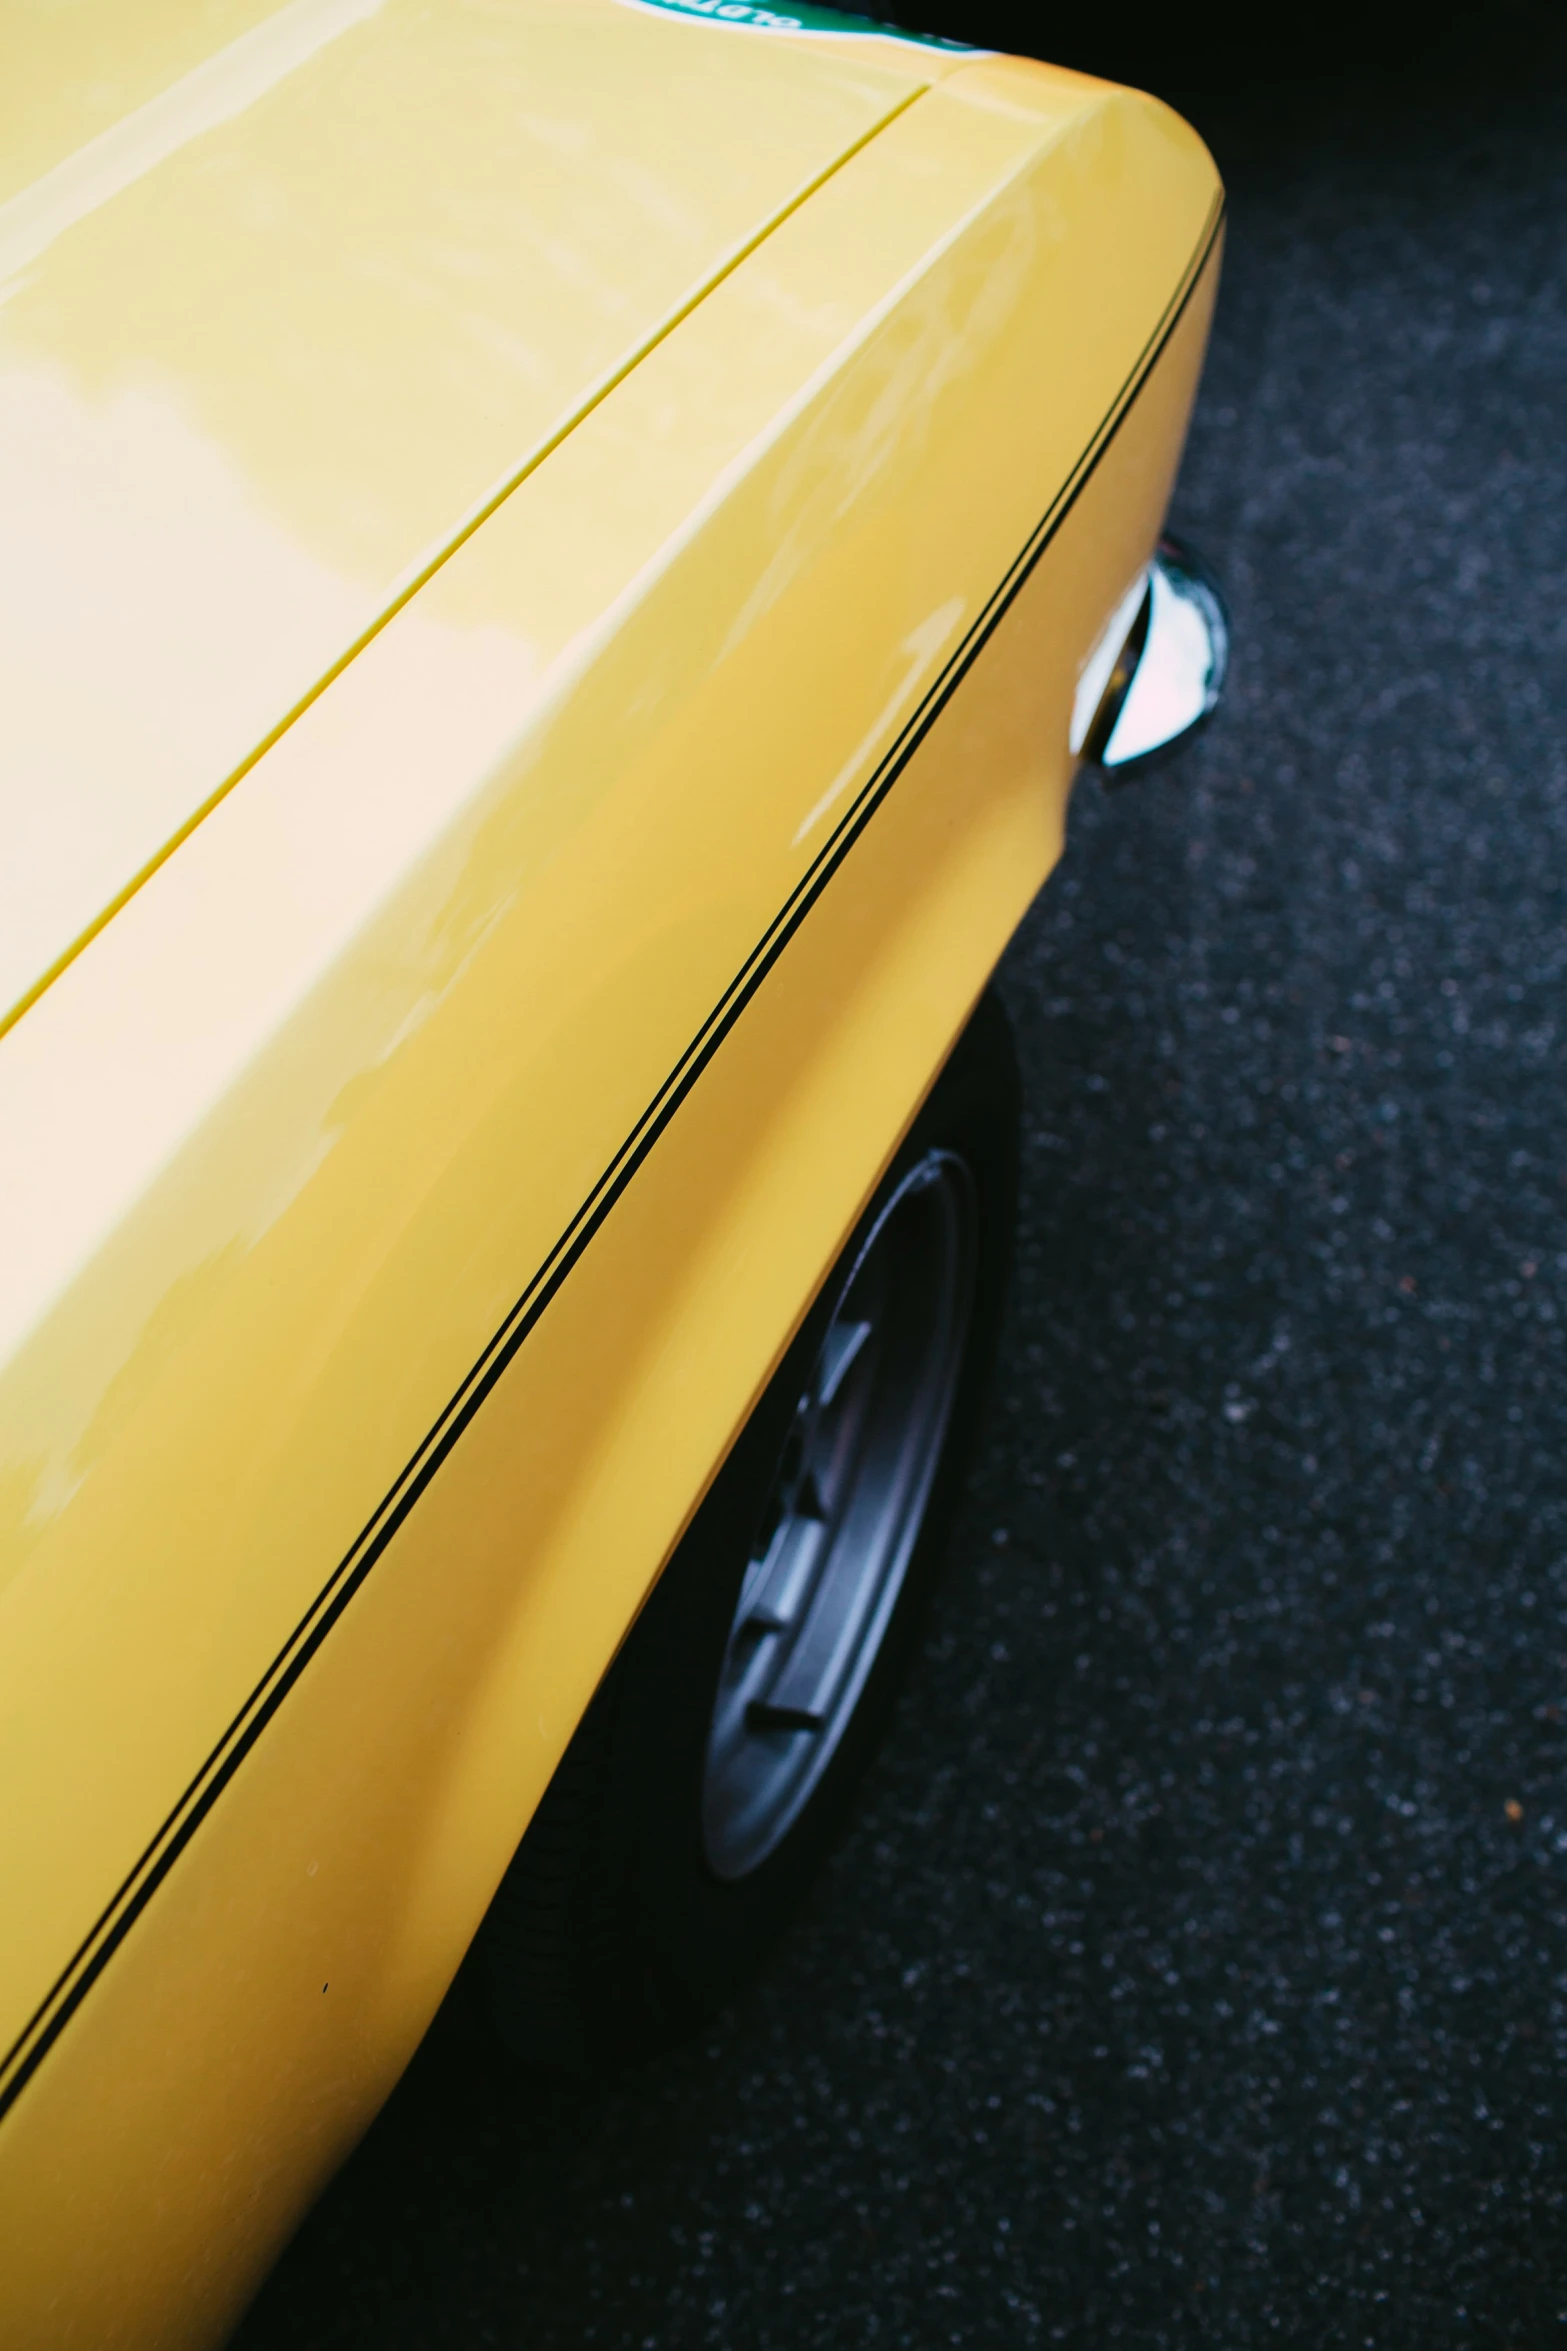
288	300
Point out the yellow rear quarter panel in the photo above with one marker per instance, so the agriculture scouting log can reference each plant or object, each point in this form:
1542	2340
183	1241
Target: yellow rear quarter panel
421	1174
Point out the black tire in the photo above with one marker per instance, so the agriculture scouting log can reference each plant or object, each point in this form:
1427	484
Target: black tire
613	1934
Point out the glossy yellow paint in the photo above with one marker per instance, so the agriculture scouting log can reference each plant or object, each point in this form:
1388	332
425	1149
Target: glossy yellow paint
452	1030
276	334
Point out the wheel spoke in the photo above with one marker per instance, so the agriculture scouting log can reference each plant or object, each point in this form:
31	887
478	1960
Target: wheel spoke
773	1603
842	1344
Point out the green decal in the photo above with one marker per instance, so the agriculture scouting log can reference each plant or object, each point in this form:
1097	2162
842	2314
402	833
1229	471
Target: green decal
794	16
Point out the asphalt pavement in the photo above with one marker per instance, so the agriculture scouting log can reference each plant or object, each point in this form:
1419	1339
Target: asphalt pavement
1195	1971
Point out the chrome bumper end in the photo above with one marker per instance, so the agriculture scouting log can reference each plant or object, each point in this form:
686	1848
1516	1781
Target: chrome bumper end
1157	672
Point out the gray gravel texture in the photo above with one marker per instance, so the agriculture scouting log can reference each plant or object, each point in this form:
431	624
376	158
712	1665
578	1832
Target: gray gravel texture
1195	1969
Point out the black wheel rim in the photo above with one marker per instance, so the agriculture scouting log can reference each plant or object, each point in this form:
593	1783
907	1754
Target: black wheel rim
843	1516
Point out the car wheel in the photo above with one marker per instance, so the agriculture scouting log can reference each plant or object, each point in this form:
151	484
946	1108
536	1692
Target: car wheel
712	1771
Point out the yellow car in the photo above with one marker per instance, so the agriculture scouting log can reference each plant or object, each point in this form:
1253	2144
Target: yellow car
561	557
